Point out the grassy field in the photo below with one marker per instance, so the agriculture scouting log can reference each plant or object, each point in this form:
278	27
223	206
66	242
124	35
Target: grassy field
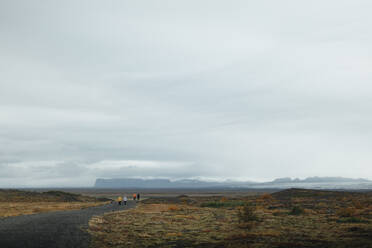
8	209
17	202
291	218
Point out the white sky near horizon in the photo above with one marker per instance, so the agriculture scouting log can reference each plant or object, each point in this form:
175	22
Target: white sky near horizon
244	90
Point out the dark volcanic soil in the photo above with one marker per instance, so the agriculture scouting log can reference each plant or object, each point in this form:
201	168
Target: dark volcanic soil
54	229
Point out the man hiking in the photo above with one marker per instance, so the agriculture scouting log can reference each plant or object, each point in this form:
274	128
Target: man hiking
125	199
119	200
134	196
138	196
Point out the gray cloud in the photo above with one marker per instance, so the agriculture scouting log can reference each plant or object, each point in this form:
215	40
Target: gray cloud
249	89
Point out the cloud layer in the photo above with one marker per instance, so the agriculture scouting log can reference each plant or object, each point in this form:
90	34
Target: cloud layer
249	89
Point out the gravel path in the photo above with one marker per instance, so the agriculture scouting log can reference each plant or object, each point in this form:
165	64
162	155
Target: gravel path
54	229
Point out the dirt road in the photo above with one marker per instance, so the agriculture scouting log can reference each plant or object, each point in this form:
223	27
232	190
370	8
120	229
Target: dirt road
54	229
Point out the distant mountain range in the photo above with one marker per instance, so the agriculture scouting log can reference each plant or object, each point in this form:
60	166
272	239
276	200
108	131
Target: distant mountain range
319	183
164	183
310	182
319	180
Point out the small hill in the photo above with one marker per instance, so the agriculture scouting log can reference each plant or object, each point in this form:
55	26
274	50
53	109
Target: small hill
310	193
49	196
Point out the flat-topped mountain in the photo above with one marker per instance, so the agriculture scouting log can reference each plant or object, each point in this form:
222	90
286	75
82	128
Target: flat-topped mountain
163	183
321	180
310	182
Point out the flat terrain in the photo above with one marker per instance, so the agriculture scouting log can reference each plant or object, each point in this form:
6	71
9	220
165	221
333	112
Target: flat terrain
154	192
17	202
65	229
8	209
290	218
182	218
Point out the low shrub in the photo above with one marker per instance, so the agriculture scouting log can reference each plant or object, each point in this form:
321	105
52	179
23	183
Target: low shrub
174	208
346	212
357	204
247	214
297	210
267	197
352	220
221	204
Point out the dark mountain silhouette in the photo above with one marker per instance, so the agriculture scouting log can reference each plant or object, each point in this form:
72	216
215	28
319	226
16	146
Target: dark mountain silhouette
310	182
320	180
164	183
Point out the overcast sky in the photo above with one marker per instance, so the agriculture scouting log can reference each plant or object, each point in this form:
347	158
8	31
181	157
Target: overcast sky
245	90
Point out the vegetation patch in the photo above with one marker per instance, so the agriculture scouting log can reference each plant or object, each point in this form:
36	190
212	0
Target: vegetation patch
8	209
48	196
18	202
352	220
222	204
162	225
297	210
306	218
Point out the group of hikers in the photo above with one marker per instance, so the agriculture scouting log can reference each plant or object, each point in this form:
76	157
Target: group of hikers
123	200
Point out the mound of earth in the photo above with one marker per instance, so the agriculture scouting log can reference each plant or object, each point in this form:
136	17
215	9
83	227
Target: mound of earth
49	196
310	193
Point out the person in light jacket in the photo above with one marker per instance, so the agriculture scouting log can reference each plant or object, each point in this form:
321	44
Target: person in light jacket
125	199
